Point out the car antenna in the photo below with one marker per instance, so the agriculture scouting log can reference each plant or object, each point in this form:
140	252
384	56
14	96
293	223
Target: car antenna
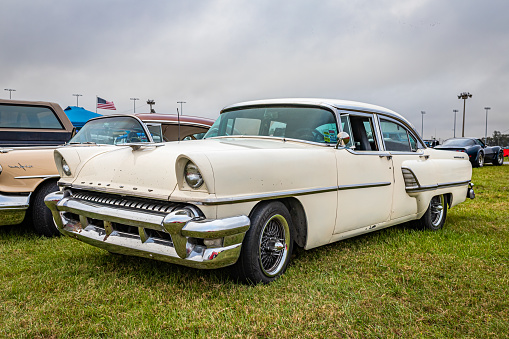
178	122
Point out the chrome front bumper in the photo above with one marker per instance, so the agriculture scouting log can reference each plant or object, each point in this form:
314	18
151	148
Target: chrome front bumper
13	208
180	236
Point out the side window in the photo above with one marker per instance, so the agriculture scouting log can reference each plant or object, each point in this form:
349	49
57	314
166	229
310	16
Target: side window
396	137
362	136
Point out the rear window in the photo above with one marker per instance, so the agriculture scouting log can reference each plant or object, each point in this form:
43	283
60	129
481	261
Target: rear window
36	117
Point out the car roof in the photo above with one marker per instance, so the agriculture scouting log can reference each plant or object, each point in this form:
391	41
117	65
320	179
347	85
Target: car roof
186	119
336	103
339	104
164	118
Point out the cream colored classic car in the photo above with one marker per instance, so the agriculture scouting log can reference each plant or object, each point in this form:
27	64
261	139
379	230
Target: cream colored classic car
267	176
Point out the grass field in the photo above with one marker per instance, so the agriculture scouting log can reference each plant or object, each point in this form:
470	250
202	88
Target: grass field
397	282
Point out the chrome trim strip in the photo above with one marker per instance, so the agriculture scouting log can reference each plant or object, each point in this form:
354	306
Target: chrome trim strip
38	176
437	186
355	186
286	194
168	122
379	153
118	191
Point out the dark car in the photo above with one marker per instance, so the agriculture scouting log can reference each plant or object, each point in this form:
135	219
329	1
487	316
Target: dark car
477	151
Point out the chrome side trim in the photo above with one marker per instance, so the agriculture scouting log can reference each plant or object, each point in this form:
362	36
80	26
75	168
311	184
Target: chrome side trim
356	186
437	186
286	194
38	176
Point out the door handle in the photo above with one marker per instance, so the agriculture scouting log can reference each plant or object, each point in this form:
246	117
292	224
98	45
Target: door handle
425	156
389	156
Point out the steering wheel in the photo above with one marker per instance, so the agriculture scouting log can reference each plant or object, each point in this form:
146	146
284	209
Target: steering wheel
309	134
133	137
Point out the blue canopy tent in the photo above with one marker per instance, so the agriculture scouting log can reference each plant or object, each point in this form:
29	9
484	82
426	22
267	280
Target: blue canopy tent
79	116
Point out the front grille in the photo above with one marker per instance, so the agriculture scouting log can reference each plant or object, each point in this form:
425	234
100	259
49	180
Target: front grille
148	205
130	203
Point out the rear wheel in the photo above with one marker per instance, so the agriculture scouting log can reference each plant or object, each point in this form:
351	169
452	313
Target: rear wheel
41	215
480	160
499	159
435	215
267	246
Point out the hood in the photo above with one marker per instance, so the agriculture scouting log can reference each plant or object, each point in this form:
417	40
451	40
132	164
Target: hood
224	163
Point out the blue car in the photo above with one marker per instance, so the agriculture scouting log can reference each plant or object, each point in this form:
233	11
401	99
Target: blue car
477	151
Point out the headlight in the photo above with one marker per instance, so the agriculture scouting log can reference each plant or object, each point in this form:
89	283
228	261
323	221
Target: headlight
193	175
66	168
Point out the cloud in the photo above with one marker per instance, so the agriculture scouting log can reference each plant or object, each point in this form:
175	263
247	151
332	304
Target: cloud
407	56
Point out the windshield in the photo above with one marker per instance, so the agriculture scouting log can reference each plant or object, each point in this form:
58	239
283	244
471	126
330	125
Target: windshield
458	142
112	131
303	123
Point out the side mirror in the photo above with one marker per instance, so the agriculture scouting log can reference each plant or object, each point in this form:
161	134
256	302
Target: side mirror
343	139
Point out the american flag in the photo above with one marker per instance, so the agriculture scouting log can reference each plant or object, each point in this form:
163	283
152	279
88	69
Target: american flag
103	104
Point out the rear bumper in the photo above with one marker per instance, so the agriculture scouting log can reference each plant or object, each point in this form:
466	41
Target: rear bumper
180	236
13	208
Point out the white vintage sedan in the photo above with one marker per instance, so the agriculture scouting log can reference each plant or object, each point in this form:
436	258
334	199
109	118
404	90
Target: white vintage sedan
268	175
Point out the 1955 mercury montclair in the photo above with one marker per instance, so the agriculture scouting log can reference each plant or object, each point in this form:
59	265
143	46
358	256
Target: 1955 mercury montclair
268	175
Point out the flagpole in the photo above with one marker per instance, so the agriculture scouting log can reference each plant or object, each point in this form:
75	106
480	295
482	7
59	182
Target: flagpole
96	104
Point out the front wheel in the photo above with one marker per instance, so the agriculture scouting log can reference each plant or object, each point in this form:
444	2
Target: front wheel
268	244
435	215
41	214
499	159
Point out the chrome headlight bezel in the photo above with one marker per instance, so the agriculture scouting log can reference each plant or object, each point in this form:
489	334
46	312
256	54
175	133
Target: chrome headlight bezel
192	175
65	168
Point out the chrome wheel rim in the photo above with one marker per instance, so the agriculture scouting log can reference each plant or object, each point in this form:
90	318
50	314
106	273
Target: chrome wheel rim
437	206
273	245
480	160
500	158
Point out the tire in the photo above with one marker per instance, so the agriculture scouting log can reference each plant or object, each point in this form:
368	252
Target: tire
499	159
479	162
267	246
41	215
435	215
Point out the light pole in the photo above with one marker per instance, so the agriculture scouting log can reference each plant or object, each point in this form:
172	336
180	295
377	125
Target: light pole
178	116
455	111
77	96
422	123
464	96
486	130
181	102
134	104
10	92
151	102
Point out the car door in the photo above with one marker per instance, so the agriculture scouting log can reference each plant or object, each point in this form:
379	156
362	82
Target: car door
407	152
488	151
365	176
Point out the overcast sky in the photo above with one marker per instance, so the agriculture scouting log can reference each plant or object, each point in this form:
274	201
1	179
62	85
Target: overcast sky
409	56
